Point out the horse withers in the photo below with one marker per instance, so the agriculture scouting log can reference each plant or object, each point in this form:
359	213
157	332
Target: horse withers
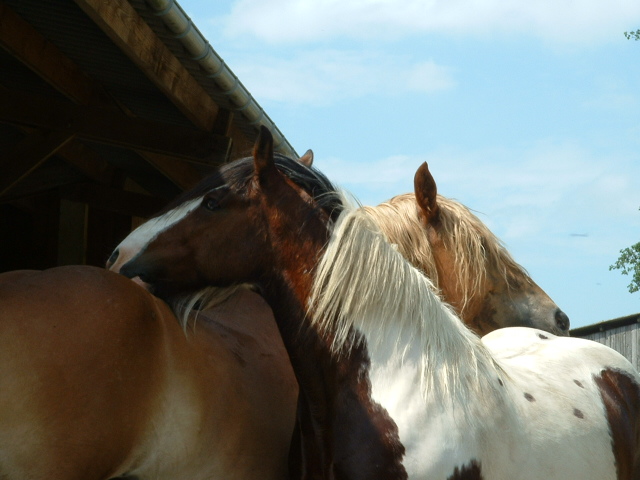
99	380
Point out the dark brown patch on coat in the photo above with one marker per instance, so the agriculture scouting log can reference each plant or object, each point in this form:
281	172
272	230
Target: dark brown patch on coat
579	383
621	399
578	413
543	337
471	471
529	397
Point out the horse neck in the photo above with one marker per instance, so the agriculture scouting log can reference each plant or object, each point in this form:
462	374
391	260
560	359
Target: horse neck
363	282
335	385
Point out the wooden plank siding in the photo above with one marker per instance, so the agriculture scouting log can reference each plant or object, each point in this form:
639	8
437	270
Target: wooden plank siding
621	334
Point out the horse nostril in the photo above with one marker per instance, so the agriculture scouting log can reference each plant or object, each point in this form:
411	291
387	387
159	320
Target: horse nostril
112	259
562	321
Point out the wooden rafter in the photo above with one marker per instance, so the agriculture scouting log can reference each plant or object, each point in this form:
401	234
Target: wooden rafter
90	163
113	200
26	44
110	127
119	20
28	154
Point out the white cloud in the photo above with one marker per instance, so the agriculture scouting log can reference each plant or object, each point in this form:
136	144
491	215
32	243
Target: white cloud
287	21
321	77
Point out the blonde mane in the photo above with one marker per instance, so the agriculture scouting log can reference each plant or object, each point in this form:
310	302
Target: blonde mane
188	308
362	281
476	250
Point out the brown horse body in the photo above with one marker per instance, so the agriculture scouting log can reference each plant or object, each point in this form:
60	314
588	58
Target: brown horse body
99	380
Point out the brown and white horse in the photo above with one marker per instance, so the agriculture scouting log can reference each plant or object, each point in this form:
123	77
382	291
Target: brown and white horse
343	433
99	380
519	404
468	264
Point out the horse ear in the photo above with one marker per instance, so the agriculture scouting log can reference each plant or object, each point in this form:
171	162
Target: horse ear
263	151
307	158
426	193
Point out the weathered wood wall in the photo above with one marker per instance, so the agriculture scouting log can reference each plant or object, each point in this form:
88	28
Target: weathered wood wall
620	334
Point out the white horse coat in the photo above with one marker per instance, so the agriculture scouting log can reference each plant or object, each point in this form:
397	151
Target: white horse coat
518	404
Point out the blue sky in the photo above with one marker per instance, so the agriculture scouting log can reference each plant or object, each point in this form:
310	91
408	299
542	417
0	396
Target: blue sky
527	112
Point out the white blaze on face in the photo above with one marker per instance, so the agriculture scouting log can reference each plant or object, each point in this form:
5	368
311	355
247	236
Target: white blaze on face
137	240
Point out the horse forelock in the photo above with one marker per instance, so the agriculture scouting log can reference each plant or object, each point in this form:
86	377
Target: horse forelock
362	281
477	252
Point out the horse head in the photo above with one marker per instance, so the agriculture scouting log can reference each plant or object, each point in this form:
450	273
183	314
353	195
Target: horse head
474	271
265	220
217	234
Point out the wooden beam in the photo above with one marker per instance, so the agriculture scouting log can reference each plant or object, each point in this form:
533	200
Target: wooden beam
90	163
41	56
183	175
36	52
119	20
28	155
113	199
72	233
110	127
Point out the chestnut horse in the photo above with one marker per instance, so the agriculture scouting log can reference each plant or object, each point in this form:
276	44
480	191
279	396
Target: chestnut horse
343	433
467	263
518	404
98	380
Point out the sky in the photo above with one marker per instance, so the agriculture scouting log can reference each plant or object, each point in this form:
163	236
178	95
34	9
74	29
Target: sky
526	112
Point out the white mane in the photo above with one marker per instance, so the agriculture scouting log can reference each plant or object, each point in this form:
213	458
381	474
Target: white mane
188	307
362	281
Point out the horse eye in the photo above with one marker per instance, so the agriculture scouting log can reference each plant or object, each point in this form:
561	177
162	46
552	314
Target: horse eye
211	204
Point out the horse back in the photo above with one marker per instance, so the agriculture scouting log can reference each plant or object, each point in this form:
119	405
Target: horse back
98	379
231	363
76	381
579	387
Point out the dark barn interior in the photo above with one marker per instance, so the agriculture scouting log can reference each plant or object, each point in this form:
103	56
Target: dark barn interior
107	110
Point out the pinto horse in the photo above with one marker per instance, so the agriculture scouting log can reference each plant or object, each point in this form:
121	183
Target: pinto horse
98	380
519	403
467	263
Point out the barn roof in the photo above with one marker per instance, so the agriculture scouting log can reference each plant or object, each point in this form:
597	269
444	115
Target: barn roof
95	91
107	108
606	325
